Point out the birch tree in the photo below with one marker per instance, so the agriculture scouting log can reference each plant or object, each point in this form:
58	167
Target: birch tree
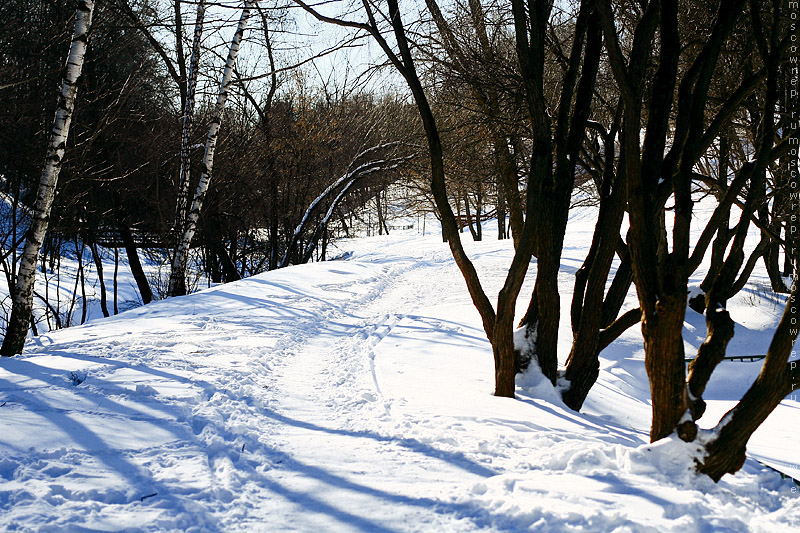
22	296
184	175
177	281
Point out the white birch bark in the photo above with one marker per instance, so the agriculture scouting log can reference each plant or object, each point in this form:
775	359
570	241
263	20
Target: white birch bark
184	175
177	281
22	305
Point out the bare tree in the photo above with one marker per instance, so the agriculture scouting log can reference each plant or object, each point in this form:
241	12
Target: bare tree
177	282
487	98
21	311
663	166
333	195
498	324
184	175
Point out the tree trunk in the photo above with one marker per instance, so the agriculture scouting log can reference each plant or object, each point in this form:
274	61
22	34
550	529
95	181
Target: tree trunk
98	264
78	276
184	174
552	187
134	263
772	264
719	326
324	248
212	267
501	214
82	275
662	308
583	364
381	219
617	292
506	167
116	280
470	222
478	210
229	272
778	378
665	364
22	306
177	280
274	242
724	233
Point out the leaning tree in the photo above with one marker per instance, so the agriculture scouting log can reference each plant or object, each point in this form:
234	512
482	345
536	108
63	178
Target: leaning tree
22	293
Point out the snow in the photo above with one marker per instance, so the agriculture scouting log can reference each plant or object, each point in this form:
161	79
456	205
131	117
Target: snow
355	395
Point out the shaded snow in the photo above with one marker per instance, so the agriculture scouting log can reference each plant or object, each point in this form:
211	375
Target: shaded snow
355	395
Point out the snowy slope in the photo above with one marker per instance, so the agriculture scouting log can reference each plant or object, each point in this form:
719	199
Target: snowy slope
355	395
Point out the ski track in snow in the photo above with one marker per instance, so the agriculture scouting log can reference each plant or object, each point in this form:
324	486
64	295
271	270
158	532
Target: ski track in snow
339	396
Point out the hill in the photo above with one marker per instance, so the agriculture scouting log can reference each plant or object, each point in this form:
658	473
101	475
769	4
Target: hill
355	395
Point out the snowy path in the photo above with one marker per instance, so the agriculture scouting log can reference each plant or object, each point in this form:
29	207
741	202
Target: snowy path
331	468
265	414
342	396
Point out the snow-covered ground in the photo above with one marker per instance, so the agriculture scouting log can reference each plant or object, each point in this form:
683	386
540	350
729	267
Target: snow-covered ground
355	395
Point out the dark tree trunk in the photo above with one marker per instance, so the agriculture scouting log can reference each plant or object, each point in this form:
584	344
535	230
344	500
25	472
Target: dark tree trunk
324	248
116	280
212	264
583	364
552	189
778	378
508	173
98	264
82	275
379	211
618	291
662	306
501	214
470	221
771	262
79	248
663	342
719	327
229	272
134	263
724	233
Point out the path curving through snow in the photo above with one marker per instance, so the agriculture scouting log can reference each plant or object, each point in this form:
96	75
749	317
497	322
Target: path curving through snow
342	396
246	407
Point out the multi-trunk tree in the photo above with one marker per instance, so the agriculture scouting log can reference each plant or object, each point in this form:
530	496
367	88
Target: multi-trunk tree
177	280
642	146
550	177
681	120
560	74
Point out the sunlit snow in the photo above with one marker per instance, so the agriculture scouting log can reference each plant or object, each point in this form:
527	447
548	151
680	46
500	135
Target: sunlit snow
355	395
